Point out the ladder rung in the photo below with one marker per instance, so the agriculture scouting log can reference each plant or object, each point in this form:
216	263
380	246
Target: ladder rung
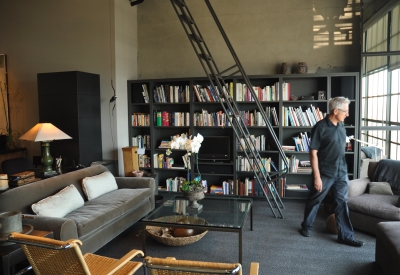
186	19
196	38
205	57
179	3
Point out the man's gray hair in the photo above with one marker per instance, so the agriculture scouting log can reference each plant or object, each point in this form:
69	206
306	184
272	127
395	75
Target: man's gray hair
337	103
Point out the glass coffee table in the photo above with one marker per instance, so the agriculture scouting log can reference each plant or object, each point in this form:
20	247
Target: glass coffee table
226	214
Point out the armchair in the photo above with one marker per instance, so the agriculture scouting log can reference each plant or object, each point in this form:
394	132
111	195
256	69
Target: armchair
170	266
368	208
49	257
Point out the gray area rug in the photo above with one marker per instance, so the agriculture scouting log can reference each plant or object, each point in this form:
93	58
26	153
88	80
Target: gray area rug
275	243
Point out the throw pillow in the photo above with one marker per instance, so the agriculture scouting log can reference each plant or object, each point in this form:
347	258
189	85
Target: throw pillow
60	204
382	188
99	185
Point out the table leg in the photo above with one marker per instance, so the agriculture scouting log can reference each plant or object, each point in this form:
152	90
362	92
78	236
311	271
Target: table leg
6	265
251	218
240	246
144	238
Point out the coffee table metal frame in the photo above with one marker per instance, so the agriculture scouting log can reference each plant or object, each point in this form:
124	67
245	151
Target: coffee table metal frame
158	212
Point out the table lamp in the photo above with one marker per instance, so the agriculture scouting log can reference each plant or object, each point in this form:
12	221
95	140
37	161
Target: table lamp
45	132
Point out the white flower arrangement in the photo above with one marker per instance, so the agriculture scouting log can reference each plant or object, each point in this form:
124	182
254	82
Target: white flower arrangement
192	145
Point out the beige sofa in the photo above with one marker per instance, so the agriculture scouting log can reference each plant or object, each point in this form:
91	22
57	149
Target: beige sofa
367	210
95	223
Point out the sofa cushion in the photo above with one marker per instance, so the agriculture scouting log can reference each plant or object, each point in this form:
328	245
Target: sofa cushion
382	188
98	185
105	209
60	204
380	206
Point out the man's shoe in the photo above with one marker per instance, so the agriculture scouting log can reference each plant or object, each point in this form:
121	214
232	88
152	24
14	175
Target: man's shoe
352	242
305	232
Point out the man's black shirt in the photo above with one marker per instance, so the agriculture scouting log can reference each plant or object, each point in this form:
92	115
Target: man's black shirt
330	142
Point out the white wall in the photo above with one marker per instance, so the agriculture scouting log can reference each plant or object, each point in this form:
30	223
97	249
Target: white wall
50	36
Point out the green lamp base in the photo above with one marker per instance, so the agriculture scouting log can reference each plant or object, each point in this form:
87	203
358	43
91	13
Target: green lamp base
47	159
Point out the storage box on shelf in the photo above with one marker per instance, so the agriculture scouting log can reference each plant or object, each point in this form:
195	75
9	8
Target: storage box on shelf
199	111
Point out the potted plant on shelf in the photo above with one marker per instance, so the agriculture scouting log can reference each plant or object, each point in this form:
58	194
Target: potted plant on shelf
192	189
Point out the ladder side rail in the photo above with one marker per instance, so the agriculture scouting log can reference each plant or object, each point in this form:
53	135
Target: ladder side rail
268	124
237	122
271	191
219	25
185	26
249	144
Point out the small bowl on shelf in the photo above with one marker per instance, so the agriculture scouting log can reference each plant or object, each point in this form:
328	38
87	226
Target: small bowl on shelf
137	173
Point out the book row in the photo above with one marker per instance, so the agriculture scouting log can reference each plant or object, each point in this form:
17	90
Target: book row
164	118
166	162
140	119
246	165
254	118
302	142
170	94
297	117
141	141
298	166
208	94
257	141
267	93
211	119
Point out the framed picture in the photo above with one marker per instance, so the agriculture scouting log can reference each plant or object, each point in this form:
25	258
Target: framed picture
321	95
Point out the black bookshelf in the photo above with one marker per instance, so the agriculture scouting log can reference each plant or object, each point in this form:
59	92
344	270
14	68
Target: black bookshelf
304	87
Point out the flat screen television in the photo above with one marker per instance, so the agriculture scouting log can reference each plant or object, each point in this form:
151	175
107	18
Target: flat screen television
215	148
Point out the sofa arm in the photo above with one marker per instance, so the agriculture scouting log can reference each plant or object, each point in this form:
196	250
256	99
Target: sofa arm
358	187
135	182
63	229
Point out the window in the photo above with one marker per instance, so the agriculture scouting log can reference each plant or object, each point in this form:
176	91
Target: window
380	119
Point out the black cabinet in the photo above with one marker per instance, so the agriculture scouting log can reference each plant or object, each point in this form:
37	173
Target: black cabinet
71	102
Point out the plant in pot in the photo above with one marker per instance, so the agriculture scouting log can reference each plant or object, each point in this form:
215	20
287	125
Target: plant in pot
191	188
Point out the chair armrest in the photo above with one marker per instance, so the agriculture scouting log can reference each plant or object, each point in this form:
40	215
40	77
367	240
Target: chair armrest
63	229
358	187
254	268
126	258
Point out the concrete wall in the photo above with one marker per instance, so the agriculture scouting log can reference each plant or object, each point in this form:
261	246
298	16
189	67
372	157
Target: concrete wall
264	33
120	42
50	36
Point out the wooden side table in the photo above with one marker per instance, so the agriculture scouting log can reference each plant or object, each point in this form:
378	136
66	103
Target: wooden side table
12	255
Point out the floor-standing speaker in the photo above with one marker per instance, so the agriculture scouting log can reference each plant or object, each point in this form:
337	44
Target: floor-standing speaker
71	102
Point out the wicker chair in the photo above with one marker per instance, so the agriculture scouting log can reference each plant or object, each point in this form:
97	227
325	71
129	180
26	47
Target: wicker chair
48	256
171	266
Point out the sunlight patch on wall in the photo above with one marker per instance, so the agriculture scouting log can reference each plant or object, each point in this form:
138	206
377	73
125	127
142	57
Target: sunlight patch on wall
333	26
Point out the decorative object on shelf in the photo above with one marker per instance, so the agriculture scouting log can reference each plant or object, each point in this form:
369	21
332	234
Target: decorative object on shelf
167	235
302	68
137	174
321	95
45	132
285	68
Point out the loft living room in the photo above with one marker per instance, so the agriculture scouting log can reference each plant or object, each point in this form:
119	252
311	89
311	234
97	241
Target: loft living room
124	43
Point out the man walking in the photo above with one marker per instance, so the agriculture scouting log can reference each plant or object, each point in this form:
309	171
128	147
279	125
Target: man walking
329	170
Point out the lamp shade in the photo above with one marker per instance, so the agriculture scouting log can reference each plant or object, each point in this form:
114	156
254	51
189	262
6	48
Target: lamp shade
44	132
